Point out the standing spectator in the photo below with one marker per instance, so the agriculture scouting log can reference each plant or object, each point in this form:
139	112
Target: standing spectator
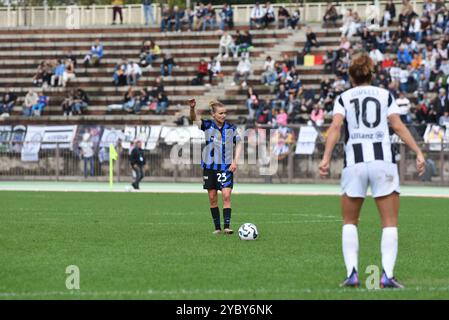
257	16
7	102
31	99
167	65
226	45
137	161
117	9
227	17
283	17
87	153
148	11
269	14
95	55
42	102
243	70
406	12
210	18
133	73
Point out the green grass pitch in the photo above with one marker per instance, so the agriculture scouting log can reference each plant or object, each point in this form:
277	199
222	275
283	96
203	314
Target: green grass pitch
160	246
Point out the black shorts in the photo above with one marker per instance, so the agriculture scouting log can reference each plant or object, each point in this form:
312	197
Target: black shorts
217	179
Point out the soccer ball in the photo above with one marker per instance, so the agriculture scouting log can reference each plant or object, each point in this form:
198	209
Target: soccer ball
248	231
128	189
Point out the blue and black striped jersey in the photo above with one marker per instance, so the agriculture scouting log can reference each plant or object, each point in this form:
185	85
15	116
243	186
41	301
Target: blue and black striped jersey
219	151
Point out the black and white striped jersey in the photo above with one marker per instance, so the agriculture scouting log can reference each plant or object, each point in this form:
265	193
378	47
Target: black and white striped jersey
366	110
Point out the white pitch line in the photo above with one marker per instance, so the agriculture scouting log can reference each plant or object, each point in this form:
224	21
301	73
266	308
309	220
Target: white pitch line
155	292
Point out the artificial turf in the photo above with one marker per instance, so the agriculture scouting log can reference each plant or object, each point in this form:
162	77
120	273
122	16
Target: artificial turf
161	246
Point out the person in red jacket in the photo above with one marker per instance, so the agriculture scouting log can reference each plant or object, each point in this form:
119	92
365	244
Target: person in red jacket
202	72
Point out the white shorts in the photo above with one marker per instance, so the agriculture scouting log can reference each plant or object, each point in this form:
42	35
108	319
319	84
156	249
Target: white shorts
382	176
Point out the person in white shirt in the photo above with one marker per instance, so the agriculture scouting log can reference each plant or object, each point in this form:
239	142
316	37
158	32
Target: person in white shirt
403	79
243	70
376	55
133	73
395	73
87	153
257	16
226	44
269	74
404	107
269	14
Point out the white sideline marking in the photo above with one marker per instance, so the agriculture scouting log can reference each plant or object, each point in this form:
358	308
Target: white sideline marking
154	292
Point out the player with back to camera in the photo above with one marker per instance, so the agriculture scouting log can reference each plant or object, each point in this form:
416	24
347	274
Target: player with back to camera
366	112
219	161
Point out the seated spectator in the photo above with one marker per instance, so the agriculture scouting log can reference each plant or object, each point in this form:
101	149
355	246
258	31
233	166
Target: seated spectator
438	106
310	41
404	107
294	20
317	115
119	75
129	101
69	73
330	61
210	19
166	18
95	55
444	119
80	102
202	71
188	18
42	102
388	62
66	104
143	100
404	79
154	54
389	13
257	16
162	103
245	43
70	56
214	69
269	74
281	98
282	117
200	15
31	99
283	17
167	65
58	74
244	69
330	15
376	55
406	12
133	73
403	56
269	16
226	17
7	102
345	44
226	45
176	18
264	114
348	28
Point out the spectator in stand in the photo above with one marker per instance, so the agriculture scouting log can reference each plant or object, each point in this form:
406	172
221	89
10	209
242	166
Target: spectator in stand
66	104
166	18
162	103
406	12
210	19
153	54
252	103
330	15
317	115
281	98
403	56
311	40
257	16
31	99
404	106
269	74
264	114
244	43
70	56
58	74
439	105
7	102
148	11
129	101
244	69
202	71
226	17
200	15
269	14
226	45
69	72
283	17
142	100
294	20
330	61
389	13
80	102
376	55
87	153
133	73
345	44
167	65
119	75
175	19
414	30
188	18
96	54
214	69
42	102
117	9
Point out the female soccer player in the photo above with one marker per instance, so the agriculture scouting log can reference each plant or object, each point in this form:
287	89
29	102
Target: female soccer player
365	111
217	160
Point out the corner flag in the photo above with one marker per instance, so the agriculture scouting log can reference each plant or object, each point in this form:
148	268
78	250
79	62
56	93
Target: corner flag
113	155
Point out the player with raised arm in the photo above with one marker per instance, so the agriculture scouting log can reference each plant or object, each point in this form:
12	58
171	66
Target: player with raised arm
217	160
366	112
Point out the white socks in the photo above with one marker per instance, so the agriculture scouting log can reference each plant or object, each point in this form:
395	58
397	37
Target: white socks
389	249
350	242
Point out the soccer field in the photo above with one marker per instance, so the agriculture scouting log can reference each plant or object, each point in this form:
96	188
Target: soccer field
160	246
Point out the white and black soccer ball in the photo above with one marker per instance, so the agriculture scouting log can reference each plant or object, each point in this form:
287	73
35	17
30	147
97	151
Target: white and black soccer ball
248	231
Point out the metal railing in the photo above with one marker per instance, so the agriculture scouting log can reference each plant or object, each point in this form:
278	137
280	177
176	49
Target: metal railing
76	17
57	163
